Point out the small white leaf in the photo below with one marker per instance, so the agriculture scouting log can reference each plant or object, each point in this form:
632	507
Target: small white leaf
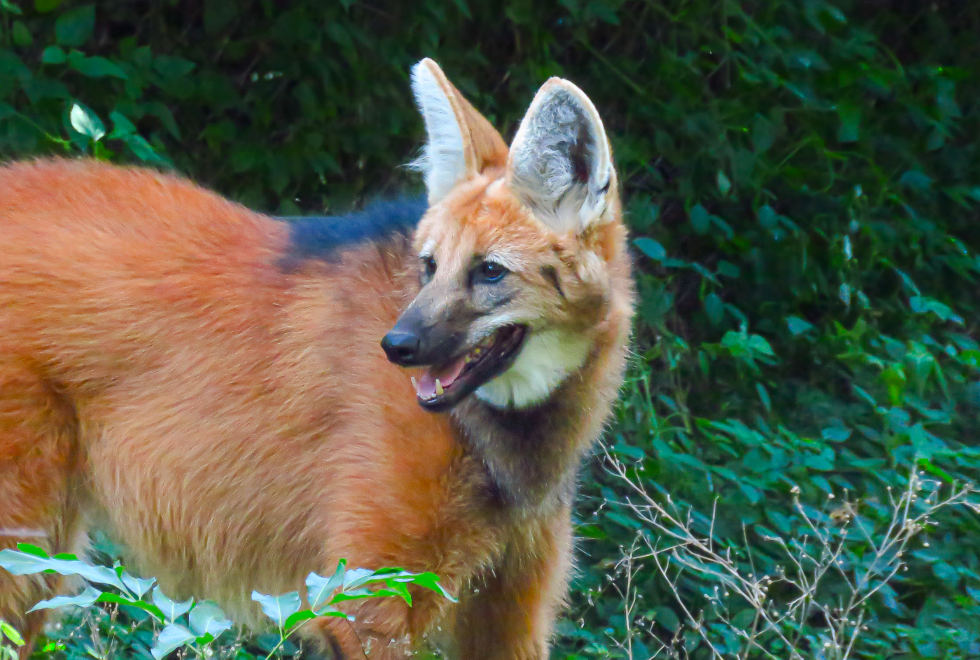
278	608
207	618
86	122
172	610
84	599
169	639
319	589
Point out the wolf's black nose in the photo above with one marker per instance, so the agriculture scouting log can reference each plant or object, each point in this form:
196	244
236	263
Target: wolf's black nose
401	347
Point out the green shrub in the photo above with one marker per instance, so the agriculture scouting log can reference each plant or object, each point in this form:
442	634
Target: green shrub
803	184
196	626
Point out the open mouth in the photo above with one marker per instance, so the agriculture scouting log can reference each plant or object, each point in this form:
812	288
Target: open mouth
443	386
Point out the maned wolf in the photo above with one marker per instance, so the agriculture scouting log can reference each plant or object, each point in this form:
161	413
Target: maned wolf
206	381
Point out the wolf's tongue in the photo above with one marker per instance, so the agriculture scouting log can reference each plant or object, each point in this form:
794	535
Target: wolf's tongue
425	386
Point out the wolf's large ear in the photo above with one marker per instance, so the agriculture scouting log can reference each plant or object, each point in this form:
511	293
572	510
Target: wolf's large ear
560	163
461	142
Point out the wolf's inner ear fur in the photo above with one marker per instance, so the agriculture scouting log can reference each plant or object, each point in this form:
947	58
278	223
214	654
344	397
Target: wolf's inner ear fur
461	142
559	161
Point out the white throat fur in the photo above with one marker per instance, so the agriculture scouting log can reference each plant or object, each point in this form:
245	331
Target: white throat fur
545	360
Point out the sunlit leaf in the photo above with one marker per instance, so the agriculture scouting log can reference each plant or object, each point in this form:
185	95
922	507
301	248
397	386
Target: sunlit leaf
86	122
170	639
278	608
206	618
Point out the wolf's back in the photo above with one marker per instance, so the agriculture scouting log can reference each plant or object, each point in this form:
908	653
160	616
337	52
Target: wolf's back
99	262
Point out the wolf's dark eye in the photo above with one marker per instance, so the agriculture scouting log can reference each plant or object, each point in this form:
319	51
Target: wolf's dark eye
428	268
490	271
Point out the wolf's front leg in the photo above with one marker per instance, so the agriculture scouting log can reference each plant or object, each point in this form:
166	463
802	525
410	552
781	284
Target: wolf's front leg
382	628
379	631
509	615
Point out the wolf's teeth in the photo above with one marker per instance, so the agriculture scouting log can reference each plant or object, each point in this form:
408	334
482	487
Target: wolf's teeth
439	390
415	384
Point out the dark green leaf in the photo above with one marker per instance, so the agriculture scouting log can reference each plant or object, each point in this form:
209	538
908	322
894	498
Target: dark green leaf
850	120
700	219
667	618
97	67
650	248
915	179
172	67
714	308
798	326
21	35
75	26
53	55
723	183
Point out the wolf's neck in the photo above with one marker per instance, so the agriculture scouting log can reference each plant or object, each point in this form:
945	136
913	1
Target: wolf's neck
532	456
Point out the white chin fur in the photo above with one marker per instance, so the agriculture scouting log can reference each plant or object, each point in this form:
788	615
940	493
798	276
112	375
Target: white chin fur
546	359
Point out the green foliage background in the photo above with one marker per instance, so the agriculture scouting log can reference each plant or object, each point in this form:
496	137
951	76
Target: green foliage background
803	182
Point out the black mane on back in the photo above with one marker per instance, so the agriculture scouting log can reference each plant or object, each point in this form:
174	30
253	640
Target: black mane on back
323	237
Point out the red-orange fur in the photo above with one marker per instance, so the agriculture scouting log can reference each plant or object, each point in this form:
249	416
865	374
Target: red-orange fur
236	425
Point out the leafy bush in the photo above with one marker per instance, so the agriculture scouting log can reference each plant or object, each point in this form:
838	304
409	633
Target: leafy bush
194	625
803	184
